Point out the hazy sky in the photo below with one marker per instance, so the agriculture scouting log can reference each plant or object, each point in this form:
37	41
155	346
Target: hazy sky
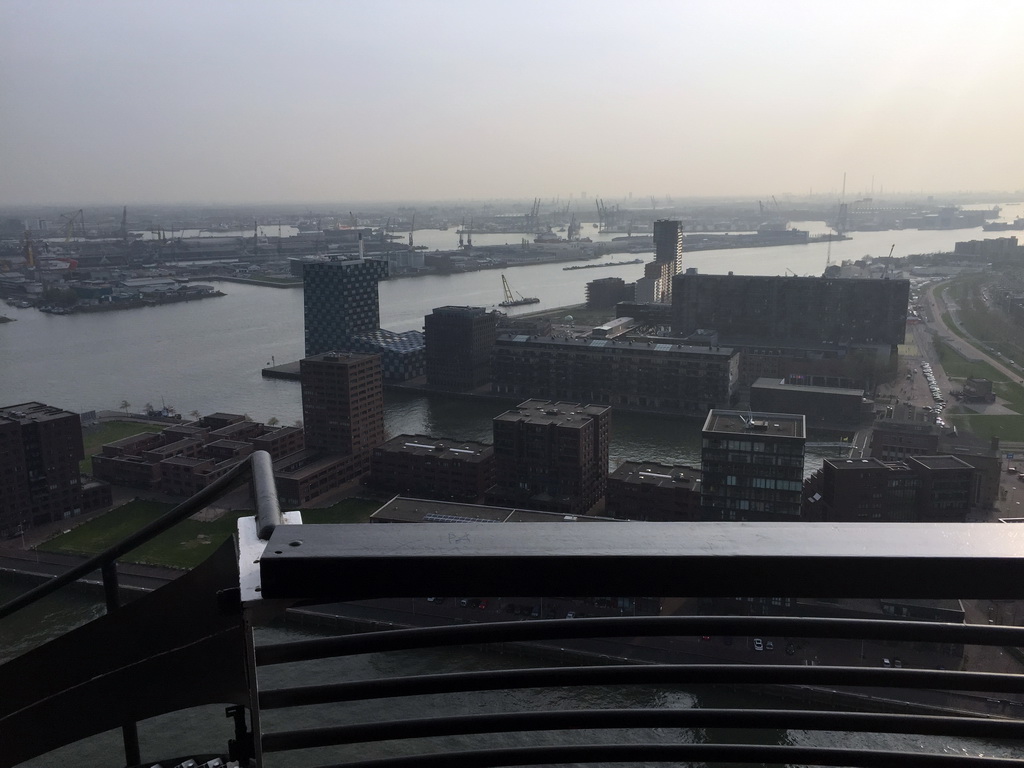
217	101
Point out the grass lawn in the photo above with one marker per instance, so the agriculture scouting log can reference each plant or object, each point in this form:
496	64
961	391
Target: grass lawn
95	436
957	367
189	542
1006	428
345	511
947	320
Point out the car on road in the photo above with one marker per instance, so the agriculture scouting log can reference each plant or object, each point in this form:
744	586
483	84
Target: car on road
769	645
758	644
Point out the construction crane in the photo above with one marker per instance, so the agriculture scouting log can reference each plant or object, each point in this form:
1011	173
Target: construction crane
29	251
69	226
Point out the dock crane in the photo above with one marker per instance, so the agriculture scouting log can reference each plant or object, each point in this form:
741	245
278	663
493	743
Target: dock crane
29	251
71	218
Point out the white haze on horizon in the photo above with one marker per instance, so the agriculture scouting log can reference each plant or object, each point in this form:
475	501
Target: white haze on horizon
236	102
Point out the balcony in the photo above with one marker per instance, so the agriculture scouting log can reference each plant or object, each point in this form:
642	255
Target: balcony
202	640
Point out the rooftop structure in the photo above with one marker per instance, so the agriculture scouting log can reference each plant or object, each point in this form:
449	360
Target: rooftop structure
752	465
340	301
459	341
432	468
639	490
40	447
551	456
748	309
650	375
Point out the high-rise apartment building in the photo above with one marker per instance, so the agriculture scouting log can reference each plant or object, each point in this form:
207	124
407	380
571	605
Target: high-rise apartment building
752	465
656	283
40	447
342	314
342	403
459	341
551	456
340	302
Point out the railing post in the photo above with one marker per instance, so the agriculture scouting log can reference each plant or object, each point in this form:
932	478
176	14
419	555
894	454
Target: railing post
129	731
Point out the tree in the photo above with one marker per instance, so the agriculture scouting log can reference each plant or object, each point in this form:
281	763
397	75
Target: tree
273	421
125	405
195	415
149	408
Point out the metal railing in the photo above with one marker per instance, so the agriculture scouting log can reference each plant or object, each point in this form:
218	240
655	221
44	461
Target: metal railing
141	647
213	657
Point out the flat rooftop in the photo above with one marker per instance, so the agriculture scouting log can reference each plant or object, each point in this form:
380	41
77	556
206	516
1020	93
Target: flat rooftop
422	445
406	510
637	346
768	383
854	464
550	412
33	411
756	423
660	475
940	462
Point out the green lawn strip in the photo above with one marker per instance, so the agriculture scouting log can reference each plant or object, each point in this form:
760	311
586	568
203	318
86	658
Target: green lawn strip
1011	393
95	437
107	529
189	542
982	322
1006	428
345	511
947	320
957	367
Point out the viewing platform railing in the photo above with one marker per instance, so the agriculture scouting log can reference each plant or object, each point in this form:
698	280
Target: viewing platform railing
195	642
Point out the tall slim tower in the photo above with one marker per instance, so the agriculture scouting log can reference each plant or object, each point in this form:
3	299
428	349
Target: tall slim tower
668	259
340	302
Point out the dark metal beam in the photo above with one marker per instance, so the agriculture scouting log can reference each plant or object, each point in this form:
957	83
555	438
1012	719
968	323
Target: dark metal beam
911	560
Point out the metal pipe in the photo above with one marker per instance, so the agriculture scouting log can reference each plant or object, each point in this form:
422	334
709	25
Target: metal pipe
264	494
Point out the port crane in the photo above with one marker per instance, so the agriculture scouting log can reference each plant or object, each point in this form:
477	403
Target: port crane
69	227
512	301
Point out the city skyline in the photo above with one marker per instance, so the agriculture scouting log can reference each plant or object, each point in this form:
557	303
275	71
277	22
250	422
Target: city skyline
173	102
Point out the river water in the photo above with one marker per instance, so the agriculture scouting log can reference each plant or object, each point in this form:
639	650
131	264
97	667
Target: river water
206	356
